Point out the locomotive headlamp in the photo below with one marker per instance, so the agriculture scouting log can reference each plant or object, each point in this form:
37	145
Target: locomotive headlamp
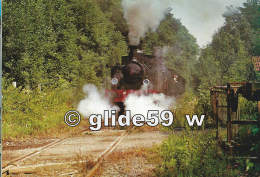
114	81
146	82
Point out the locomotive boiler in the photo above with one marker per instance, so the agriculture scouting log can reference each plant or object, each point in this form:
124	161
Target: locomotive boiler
143	74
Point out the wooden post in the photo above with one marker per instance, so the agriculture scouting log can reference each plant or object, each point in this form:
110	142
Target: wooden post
217	115
215	110
229	128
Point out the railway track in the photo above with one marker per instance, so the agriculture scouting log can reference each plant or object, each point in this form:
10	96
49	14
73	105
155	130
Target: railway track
105	154
14	163
13	167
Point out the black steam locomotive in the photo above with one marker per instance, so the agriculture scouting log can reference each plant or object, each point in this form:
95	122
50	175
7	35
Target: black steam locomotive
140	72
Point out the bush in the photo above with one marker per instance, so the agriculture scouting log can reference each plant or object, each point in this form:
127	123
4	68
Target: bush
27	112
191	154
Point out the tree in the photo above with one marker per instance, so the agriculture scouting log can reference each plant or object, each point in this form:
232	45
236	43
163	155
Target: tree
58	43
182	49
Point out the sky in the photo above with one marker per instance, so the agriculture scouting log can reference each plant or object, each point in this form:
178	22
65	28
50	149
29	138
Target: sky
202	17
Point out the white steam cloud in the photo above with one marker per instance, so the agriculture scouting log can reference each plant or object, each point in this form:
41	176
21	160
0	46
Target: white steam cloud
142	15
141	104
95	102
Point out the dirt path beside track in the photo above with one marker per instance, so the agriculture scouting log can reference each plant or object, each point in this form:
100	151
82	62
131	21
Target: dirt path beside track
83	149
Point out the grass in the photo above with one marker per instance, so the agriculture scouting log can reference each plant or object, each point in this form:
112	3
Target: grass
193	154
130	162
84	164
29	113
197	153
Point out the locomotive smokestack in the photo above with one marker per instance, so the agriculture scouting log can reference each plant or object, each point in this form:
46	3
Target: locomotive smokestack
132	51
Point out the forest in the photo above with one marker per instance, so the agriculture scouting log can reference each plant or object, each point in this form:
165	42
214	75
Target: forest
52	48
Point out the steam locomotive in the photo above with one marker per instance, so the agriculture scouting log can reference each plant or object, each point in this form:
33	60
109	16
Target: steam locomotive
143	73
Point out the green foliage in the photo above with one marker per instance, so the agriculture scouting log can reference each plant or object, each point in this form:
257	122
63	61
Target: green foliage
186	106
252	14
39	46
228	57
189	154
29	112
248	109
249	136
45	42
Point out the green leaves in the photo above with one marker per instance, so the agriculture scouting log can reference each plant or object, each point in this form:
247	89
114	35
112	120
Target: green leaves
44	42
228	57
192	154
255	131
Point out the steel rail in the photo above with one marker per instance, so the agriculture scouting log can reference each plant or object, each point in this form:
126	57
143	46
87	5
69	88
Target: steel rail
12	167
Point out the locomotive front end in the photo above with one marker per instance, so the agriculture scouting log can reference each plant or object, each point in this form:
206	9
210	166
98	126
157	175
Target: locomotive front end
143	74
